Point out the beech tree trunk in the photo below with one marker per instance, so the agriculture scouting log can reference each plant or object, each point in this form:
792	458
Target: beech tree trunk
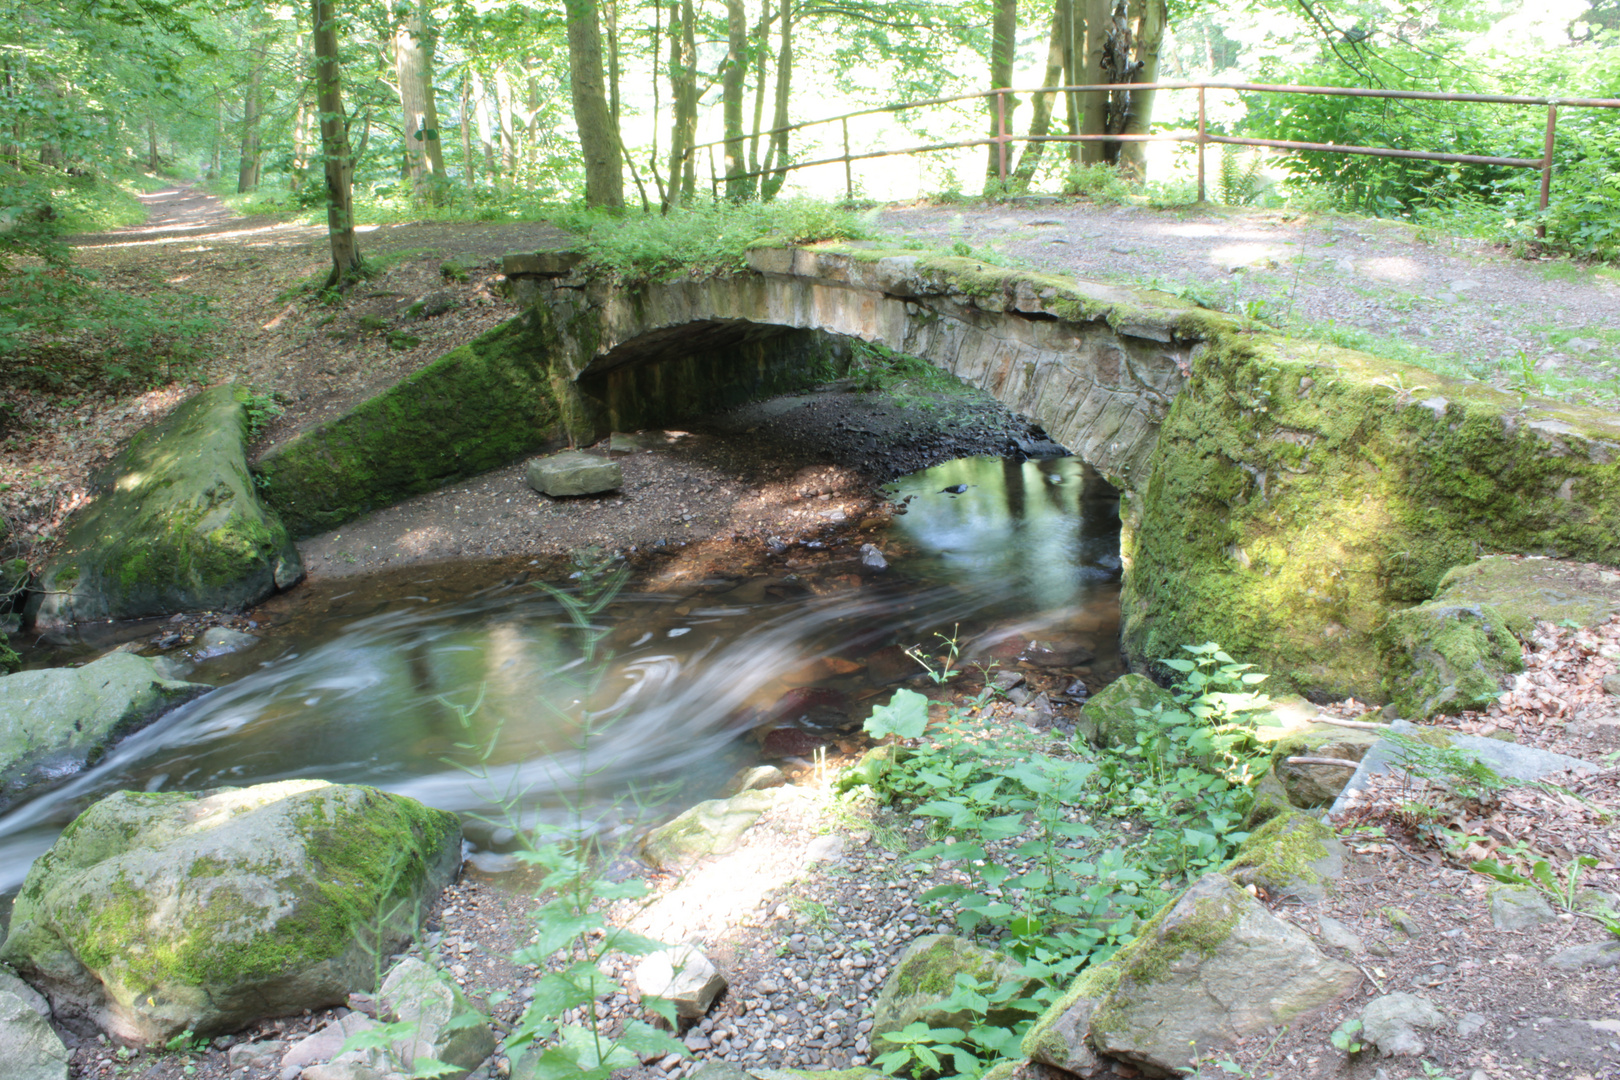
761	48
1094	26
777	155
1003	48
469	168
1152	17
424	152
683	87
503	117
247	174
346	263
486	129
1040	121
732	79
598	136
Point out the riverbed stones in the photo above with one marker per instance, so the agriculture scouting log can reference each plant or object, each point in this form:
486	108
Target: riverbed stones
157	913
1213	968
682	976
56	721
175	525
925	975
1442	657
414	993
712	827
29	1049
574	472
1392	1023
1114	708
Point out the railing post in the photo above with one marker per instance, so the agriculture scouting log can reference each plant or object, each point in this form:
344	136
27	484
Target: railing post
1546	166
849	174
1202	138
1001	136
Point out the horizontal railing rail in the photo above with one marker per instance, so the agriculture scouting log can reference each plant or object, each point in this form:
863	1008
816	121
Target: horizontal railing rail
1200	135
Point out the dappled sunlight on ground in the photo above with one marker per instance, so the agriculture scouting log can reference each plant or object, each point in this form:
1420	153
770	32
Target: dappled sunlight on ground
1393	268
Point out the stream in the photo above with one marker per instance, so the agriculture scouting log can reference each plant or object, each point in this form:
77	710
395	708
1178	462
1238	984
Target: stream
472	690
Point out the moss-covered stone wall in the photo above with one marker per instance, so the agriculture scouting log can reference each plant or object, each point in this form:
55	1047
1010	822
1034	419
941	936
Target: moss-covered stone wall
1298	494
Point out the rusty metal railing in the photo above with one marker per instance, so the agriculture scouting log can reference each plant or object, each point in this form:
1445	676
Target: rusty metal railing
1200	135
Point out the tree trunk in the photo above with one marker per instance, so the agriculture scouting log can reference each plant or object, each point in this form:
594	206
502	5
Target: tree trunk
247	173
413	63
777	156
153	162
218	153
732	79
486	129
598	137
1152	17
503	116
761	48
1073	36
683	87
610	24
1098	18
469	168
1003	48
334	147
1040	122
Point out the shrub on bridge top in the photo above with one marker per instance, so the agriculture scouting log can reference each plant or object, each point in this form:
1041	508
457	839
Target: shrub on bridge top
704	238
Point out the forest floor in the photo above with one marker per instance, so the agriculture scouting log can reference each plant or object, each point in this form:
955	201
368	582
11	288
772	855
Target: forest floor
805	936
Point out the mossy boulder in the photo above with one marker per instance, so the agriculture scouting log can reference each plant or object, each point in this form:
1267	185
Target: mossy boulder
1213	968
1310	786
1114	708
175	524
477	407
9	660
712	827
1525	590
158	913
925	975
1299	494
1061	1037
56	721
1291	856
1445	658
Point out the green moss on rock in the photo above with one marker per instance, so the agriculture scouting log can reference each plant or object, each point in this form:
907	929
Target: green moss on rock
1525	590
175	525
1299	494
475	408
1441	657
1291	854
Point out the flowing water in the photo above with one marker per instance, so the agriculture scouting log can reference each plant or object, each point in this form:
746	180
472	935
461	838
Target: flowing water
469	693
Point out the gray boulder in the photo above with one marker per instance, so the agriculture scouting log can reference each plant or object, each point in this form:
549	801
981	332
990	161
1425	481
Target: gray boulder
1291	857
684	977
1527	589
712	827
1213	968
157	913
56	721
1061	1036
29	1049
925	975
1518	907
175	525
417	994
1392	1023
1445	658
1113	709
1596	955
574	472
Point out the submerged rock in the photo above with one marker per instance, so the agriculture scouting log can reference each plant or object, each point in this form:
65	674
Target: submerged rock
175	525
56	721
574	472
158	913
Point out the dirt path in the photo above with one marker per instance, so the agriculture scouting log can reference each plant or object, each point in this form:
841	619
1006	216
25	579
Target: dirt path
1456	305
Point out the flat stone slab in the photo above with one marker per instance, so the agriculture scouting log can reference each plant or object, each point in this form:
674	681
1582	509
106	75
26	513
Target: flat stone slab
574	472
1510	760
540	263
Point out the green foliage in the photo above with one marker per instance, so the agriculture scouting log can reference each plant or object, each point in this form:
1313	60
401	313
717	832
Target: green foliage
904	717
1056	870
879	369
1565	891
1239	180
702	238
1344	1036
1100	182
261	409
1464	773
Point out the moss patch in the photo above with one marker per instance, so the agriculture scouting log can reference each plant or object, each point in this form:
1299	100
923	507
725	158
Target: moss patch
475	408
1525	591
1441	657
1281	853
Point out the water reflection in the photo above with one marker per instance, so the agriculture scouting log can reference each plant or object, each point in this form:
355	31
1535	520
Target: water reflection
379	689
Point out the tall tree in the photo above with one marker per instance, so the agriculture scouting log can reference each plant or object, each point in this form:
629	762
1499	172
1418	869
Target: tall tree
1152	16
683	84
1040	122
247	175
777	153
598	135
1003	50
413	63
346	262
1093	18
733	75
